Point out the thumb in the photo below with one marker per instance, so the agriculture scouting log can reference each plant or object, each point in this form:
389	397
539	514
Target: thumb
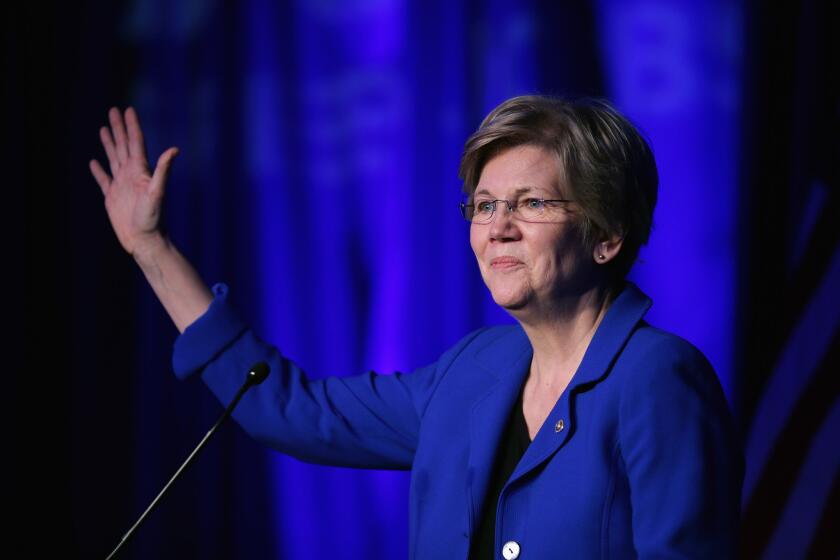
162	168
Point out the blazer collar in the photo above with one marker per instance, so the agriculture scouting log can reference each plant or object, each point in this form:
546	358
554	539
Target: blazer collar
507	349
505	359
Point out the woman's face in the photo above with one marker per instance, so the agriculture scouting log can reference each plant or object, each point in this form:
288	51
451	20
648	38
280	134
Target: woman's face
527	266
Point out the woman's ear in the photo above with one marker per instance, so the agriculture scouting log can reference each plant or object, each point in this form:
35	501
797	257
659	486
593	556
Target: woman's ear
607	248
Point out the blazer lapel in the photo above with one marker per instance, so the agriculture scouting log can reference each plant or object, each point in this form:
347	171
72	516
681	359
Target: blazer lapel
504	362
612	334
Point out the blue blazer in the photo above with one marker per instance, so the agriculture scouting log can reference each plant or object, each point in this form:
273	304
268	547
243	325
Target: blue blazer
638	458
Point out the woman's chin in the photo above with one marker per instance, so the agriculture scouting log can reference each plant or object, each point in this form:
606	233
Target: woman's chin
511	301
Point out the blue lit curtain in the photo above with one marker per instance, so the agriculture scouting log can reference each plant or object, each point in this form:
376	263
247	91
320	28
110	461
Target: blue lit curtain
675	68
318	178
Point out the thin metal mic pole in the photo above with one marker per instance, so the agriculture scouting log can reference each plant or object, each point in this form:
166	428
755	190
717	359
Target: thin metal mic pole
256	375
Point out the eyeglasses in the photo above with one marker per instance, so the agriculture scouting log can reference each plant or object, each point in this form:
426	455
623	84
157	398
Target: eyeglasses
526	209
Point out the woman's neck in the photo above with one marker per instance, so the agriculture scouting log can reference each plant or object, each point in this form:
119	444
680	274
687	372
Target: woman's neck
560	335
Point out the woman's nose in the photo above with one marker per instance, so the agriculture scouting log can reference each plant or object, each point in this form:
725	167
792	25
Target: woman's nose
503	224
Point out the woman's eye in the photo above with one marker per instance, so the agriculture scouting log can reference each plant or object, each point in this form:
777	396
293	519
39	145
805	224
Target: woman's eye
485	207
534	204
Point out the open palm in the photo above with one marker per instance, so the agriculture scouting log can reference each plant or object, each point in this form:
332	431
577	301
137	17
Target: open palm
133	195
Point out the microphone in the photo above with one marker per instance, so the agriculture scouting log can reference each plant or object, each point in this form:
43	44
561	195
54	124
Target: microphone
255	376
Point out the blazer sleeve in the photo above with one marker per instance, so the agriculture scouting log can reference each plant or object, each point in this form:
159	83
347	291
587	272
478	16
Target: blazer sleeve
365	421
683	457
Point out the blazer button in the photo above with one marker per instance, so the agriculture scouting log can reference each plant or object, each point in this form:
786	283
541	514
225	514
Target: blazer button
558	427
510	550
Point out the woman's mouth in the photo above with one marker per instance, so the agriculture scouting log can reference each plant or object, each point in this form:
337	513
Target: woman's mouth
500	263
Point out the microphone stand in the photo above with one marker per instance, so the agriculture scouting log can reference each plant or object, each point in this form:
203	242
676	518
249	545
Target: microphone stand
256	375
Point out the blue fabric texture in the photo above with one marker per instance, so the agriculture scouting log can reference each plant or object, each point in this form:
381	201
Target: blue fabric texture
638	458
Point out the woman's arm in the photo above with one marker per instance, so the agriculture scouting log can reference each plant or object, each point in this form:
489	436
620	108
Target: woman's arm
133	200
682	454
176	283
367	421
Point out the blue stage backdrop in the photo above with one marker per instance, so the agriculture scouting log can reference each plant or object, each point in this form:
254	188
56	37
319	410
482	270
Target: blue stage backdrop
318	178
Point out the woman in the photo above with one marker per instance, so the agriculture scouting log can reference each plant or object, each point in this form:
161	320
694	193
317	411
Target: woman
582	432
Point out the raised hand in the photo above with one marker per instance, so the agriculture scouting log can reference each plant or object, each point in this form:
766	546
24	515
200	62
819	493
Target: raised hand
133	195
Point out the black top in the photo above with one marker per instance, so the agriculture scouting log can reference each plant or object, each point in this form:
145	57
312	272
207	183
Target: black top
514	442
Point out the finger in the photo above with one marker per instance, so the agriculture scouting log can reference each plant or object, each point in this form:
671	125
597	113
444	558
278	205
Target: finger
101	177
136	147
110	149
161	173
118	129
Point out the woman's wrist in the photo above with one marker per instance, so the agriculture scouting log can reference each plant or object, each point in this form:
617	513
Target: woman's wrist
147	251
173	279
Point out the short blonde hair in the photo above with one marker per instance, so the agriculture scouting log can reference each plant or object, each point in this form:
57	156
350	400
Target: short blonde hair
606	165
